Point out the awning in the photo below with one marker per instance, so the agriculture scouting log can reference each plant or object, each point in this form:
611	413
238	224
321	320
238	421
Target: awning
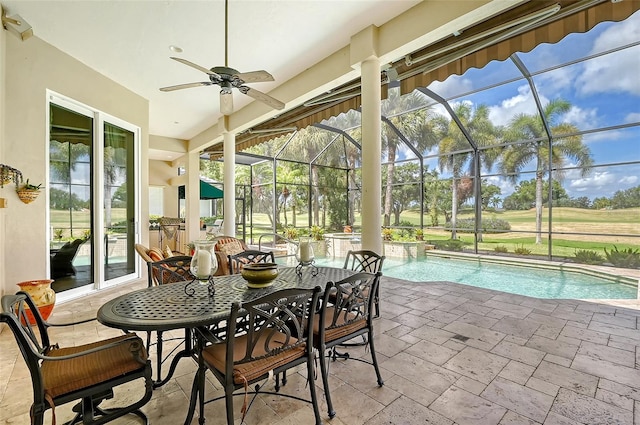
206	191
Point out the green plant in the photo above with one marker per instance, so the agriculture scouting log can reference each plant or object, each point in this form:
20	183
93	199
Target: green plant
317	233
586	256
29	186
521	250
387	234
501	249
627	258
419	234
291	233
57	233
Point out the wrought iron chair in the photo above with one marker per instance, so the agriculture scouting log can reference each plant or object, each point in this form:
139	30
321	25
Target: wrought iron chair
87	373
366	261
163	272
267	336
345	313
62	259
237	261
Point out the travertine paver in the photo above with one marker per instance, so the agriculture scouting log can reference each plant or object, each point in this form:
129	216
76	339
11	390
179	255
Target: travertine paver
449	354
466	408
478	365
574	380
588	410
525	401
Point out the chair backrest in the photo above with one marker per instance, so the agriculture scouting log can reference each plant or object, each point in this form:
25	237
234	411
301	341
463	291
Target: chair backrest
17	310
237	261
364	261
271	325
142	251
170	270
351	300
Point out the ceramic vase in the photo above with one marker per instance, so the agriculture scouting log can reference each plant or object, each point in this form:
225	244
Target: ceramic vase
42	294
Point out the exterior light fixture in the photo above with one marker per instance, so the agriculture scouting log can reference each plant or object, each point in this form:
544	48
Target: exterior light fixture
16	25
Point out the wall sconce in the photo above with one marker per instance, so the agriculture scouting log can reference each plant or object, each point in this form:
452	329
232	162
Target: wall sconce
9	174
16	25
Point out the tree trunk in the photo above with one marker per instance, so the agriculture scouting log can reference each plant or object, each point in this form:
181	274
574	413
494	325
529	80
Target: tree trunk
388	197
538	207
454	207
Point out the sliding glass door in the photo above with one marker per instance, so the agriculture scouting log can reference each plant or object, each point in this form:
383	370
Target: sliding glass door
93	205
119	201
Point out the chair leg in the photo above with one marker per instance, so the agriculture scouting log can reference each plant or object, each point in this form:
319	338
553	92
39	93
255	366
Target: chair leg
228	399
374	360
325	381
312	389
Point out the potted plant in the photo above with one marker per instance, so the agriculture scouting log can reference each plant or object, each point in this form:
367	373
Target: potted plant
28	192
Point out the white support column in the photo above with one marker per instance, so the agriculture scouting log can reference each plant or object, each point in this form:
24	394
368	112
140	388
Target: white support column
192	198
229	168
364	54
371	156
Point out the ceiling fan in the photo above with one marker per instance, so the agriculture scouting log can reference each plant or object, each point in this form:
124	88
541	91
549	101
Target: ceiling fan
229	78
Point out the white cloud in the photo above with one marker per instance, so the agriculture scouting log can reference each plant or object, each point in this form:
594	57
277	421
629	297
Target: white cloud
617	72
628	180
632	117
595	181
452	86
584	119
522	103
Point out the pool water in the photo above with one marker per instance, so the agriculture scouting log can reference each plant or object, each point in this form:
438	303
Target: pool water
534	282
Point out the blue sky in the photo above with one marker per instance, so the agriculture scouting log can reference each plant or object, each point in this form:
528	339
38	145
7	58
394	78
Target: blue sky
603	91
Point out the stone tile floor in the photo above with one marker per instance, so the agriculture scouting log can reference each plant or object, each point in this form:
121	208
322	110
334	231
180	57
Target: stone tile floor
449	354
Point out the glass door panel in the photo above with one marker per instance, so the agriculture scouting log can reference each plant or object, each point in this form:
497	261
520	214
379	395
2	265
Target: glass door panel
119	202
70	198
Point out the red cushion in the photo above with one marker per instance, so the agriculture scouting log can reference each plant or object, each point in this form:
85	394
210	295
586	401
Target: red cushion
155	254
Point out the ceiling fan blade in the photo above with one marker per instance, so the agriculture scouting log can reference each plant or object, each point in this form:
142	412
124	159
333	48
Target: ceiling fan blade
196	66
262	97
186	86
226	102
254	76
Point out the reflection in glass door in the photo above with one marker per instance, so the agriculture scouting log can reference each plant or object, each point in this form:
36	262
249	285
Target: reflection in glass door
70	198
119	201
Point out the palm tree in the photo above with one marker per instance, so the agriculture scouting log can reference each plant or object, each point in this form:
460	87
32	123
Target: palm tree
456	153
530	128
408	114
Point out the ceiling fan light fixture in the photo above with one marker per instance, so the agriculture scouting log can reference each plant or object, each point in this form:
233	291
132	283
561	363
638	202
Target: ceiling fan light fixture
226	101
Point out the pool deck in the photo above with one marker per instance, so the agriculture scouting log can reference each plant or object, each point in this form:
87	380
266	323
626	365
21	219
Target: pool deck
449	354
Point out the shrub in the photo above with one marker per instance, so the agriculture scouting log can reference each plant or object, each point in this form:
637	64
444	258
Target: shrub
521	250
501	249
450	245
627	258
419	234
489	225
586	256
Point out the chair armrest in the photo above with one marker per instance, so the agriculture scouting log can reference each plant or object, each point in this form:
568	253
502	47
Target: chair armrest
223	265
131	338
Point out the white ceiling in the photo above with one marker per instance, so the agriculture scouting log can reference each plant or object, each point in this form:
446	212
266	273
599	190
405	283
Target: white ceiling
128	41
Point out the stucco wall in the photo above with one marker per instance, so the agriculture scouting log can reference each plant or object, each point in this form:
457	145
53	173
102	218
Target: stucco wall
32	67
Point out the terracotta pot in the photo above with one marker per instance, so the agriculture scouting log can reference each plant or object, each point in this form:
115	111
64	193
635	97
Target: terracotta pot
43	296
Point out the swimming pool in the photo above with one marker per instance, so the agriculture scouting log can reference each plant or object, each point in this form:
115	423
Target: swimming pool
530	281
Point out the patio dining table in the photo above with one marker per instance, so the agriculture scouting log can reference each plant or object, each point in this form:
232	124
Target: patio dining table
170	307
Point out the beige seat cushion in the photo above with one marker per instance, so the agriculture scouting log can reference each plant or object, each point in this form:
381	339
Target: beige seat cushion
64	376
215	355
